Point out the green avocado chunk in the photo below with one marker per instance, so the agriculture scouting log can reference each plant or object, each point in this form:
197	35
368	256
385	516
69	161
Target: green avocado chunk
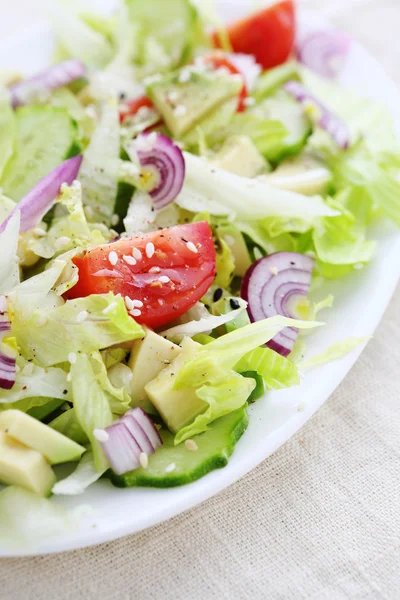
172	466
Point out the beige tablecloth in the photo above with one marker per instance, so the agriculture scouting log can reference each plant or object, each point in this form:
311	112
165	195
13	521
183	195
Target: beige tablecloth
318	520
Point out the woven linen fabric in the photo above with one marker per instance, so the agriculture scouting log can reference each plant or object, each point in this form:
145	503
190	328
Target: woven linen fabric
319	520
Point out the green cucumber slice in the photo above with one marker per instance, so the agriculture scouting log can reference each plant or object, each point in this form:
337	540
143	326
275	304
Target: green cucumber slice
44	138
215	446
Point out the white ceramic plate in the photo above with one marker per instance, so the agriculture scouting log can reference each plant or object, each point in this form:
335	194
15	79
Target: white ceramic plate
360	301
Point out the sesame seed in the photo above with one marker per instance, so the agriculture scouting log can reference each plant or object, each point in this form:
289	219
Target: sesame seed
172	96
229	240
164	279
101	435
184	76
113	258
39	231
171	467
69	377
129	303
144	460
249	101
160	301
136	253
191	247
274	270
109	308
129	259
135	312
62	241
72	358
115	219
137	304
82	316
154	270
191	445
149	249
180	111
41	321
358	266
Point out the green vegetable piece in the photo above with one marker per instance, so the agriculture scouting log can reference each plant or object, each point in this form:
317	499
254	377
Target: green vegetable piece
172	465
44	138
258	391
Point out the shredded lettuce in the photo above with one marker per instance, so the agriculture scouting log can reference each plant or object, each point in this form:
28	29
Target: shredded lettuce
67	423
9	268
277	371
7	128
32	381
84	475
99	170
91	405
334	352
49	336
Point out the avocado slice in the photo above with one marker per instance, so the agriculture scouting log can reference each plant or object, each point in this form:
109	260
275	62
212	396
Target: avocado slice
185	97
22	466
172	465
239	155
237	245
27	430
177	408
149	356
304	174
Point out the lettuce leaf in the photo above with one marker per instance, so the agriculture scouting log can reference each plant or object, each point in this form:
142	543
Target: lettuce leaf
32	381
84	475
7	128
277	371
222	398
334	352
9	268
67	423
91	405
50	335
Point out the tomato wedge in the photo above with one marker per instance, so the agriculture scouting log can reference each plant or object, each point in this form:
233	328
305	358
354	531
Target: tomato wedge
268	34
219	61
167	271
130	108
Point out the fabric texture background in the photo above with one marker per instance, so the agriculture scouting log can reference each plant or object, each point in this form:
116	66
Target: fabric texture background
320	519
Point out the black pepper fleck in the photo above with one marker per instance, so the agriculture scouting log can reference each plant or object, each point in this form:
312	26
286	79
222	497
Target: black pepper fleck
234	304
217	294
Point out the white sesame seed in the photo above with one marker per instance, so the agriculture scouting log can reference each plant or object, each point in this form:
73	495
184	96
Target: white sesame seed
154	270
180	111
164	279
149	249
109	308
160	301
191	247
101	435
41	321
72	358
249	101
69	377
184	76
274	270
115	219
89	212
129	303
136	253
39	231
62	241
191	445
135	312
229	240
137	304
144	460
113	258
358	266
28	369
82	316
129	259
171	467
172	96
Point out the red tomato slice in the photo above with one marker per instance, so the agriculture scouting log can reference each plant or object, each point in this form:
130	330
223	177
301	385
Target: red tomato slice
218	61
130	108
268	34
168	282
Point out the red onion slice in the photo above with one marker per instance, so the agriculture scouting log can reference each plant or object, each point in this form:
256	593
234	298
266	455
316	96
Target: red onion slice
37	202
52	78
8	369
327	120
324	52
271	285
127	439
162	167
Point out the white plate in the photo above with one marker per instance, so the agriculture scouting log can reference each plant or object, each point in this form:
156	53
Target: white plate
360	301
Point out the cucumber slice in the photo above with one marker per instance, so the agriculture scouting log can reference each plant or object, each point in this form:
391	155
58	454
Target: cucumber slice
281	107
215	446
45	137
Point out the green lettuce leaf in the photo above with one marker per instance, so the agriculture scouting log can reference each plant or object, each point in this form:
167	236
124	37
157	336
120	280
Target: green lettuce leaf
84	475
334	352
67	423
60	332
32	380
91	405
9	268
7	128
277	371
222	398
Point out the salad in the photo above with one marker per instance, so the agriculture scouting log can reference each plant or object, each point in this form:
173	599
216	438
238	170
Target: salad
173	194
